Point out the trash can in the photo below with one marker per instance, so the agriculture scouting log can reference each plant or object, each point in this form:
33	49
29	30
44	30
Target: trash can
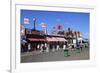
66	54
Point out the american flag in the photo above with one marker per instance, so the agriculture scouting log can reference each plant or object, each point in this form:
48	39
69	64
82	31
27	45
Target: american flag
44	25
26	20
59	27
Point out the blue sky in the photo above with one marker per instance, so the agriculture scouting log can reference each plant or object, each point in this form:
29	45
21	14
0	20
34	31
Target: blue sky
75	20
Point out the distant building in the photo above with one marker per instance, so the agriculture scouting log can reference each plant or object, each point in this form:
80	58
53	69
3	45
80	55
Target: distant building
73	37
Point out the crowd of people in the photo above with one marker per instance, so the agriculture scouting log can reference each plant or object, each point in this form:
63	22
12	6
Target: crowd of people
46	47
43	46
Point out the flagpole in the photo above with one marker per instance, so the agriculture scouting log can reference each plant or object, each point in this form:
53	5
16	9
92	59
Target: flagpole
34	19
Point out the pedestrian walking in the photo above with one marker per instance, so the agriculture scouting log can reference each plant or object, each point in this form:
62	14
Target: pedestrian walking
64	47
78	48
66	50
57	47
47	48
81	46
44	47
38	47
53	49
29	47
41	48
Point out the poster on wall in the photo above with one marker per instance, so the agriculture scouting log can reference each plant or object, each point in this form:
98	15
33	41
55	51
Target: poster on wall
45	35
49	35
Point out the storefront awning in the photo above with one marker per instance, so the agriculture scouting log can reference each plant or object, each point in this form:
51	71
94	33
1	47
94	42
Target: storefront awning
51	39
36	39
62	39
56	39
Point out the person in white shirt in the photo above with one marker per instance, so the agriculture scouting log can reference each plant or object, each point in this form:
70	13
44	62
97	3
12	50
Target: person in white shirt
47	47
64	47
57	47
29	47
41	48
38	46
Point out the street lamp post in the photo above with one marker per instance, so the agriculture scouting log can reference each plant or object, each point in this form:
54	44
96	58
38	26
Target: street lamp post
34	19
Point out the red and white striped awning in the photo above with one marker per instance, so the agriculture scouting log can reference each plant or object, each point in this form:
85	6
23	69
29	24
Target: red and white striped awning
36	39
56	39
51	39
61	39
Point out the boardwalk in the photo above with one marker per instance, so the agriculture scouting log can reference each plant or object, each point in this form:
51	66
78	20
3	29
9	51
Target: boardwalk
54	56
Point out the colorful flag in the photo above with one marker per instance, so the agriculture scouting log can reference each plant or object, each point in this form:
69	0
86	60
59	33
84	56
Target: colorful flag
43	24
26	20
59	27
